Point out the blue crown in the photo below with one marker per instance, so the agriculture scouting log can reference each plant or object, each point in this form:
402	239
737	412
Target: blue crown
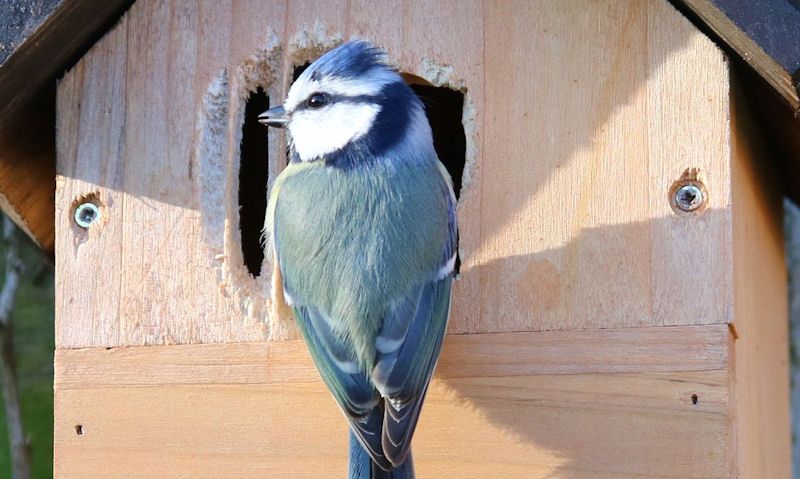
349	60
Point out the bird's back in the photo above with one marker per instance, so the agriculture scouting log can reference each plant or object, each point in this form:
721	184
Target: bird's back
340	226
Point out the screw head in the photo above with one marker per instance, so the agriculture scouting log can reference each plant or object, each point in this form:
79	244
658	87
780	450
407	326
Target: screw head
86	214
689	197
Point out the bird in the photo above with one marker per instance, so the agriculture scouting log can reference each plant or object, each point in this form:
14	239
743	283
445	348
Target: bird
362	223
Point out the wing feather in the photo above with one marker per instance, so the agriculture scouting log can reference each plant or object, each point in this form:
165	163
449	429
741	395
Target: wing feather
357	398
402	376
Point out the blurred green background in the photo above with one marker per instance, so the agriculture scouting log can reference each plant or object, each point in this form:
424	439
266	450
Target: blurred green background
33	345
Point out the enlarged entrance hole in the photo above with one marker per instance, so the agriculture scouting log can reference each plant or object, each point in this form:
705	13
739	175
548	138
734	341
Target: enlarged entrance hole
253	176
298	70
444	108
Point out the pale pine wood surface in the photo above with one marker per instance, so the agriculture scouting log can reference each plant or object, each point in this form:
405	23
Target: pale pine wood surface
579	117
679	348
760	377
259	410
766	66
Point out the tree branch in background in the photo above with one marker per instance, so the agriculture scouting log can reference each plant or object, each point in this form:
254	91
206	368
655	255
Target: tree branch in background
18	440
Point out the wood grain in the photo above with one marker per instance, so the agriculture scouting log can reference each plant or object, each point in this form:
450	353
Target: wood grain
573	146
760	305
260	410
576	223
774	23
27	170
596	312
662	349
28	73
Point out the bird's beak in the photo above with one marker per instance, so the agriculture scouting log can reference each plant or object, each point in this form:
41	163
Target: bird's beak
275	116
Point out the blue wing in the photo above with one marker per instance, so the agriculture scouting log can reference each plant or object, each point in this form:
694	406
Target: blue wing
383	408
352	389
403	368
409	342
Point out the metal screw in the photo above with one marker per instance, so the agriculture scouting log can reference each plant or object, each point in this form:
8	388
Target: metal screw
689	197
86	214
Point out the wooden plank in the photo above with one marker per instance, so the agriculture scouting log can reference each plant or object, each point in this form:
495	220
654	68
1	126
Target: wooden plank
663	349
619	425
760	314
766	34
27	170
37	42
259	410
153	127
579	157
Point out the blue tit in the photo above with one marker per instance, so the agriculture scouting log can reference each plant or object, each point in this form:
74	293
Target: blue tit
363	225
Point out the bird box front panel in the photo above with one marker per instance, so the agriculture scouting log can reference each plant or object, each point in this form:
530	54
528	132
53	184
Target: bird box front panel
579	120
599	258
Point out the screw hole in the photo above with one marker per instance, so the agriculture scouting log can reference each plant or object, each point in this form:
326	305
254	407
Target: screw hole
694	399
688	195
87	212
79	429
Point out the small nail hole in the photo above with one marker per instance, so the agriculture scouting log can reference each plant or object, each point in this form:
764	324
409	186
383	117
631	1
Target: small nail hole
694	399
79	429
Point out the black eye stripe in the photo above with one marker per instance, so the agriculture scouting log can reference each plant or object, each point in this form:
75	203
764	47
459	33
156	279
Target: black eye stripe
354	99
357	98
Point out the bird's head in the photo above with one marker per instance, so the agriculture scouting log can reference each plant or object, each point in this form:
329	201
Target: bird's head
349	98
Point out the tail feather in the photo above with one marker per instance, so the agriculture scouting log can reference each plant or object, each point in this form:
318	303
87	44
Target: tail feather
362	467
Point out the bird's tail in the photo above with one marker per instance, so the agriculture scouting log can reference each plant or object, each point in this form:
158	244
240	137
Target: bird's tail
362	467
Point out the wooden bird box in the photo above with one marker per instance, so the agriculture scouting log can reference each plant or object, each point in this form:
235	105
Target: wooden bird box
621	304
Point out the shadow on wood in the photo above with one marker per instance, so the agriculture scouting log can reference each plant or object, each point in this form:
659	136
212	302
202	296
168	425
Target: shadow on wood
580	117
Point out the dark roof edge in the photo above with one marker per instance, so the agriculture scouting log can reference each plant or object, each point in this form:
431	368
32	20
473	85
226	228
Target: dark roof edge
712	21
58	43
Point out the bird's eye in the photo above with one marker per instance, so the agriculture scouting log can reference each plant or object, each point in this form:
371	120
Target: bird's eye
317	100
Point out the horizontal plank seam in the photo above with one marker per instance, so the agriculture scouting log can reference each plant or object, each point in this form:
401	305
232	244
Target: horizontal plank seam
461	334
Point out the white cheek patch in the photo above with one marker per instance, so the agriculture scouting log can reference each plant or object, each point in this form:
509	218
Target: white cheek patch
318	132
